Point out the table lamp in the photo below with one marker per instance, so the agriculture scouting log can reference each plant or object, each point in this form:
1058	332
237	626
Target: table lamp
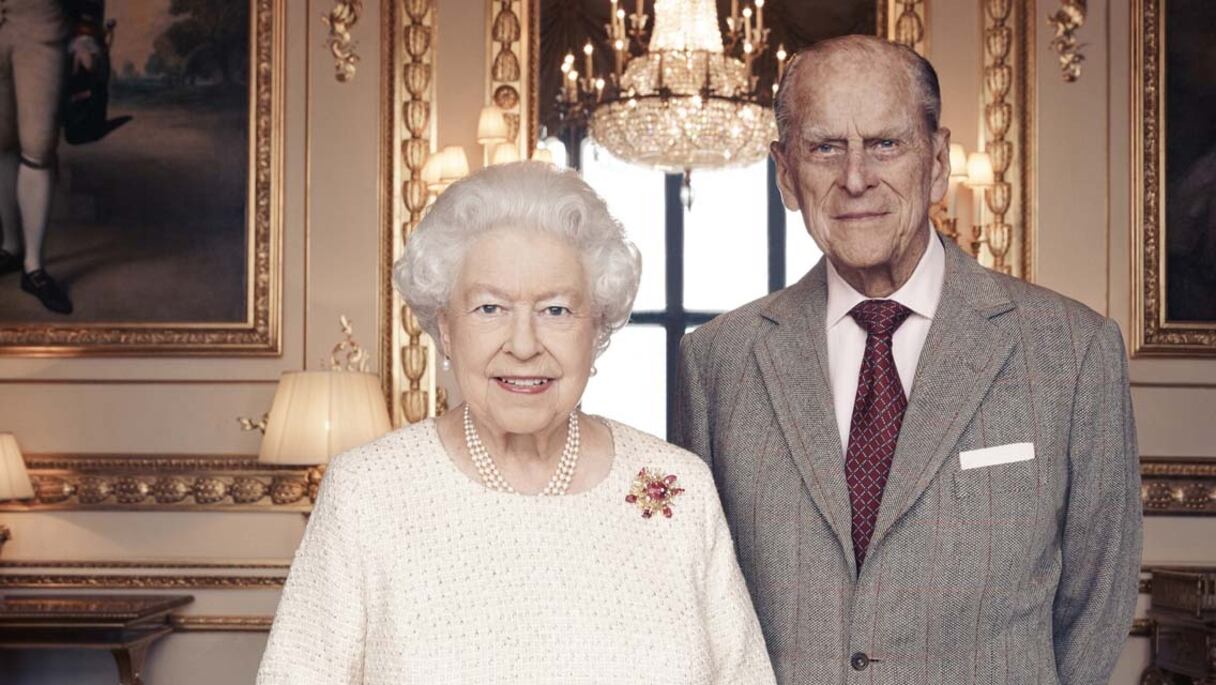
14	479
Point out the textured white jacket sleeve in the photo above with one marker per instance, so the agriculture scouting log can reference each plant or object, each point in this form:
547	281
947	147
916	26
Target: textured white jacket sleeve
739	654
318	632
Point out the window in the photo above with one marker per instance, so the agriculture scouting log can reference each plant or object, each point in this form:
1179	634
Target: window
737	243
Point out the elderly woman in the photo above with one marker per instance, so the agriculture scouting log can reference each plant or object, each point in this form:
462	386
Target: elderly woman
516	539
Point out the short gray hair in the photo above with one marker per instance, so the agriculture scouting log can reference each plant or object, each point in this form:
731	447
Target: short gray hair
529	195
928	89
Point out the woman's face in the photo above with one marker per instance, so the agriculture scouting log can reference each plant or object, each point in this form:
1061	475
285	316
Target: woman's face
520	330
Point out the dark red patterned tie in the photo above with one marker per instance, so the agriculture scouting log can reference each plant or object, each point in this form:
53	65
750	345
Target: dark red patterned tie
878	413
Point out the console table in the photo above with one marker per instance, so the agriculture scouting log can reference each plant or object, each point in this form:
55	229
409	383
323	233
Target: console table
124	625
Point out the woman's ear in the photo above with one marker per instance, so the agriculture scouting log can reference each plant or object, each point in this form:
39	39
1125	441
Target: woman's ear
445	336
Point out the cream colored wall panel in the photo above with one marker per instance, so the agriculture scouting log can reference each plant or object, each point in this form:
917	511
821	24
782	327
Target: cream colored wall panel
1176	422
954	53
343	193
1071	182
1179	540
133	418
460	77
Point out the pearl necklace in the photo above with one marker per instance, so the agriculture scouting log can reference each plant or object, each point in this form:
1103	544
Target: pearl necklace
492	477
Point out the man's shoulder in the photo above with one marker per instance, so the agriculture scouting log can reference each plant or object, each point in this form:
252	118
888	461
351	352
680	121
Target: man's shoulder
1045	312
739	326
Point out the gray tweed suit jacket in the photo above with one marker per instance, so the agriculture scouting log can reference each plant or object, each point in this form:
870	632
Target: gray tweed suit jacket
1016	573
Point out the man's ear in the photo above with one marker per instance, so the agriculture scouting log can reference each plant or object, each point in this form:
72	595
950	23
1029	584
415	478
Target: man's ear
940	173
786	178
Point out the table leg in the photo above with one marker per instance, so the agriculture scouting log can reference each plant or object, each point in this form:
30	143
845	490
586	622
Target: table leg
131	663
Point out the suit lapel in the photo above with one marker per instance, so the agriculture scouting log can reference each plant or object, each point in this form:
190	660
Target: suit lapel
793	363
962	356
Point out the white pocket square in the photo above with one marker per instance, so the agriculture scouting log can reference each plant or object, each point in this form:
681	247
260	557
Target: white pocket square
1000	454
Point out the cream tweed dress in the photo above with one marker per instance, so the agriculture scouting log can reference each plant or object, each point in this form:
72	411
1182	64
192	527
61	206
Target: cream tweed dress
410	572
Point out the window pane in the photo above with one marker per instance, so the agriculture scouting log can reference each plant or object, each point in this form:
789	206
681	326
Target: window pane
801	252
631	383
635	197
726	238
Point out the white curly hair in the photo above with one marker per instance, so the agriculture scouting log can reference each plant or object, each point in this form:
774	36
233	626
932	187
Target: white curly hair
532	194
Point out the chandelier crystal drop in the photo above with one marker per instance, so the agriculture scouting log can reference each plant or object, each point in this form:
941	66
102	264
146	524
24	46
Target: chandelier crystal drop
687	99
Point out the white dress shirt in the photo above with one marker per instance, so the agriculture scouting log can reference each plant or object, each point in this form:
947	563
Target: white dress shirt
847	339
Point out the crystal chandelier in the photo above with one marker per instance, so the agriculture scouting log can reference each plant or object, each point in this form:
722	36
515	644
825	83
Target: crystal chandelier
685	101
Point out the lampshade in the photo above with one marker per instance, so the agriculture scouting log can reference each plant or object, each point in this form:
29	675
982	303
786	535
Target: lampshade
455	164
542	154
979	170
317	414
491	126
14	479
504	153
958	161
432	171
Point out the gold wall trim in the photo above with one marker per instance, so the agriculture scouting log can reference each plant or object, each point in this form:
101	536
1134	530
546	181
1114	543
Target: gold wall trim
261	333
115	581
341	18
166	483
906	22
1141	627
1008	130
407	357
1177	486
221	624
512	41
1152	334
151	564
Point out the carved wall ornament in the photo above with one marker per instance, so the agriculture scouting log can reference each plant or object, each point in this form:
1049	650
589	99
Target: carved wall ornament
1178	486
340	20
167	483
507	49
1067	20
407	355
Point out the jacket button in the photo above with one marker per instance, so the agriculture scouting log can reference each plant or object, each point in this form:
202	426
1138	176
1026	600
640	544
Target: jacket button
859	661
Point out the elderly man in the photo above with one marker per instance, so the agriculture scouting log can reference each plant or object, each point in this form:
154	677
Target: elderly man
930	469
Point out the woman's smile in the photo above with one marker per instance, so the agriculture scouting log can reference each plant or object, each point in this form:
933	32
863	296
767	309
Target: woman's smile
524	385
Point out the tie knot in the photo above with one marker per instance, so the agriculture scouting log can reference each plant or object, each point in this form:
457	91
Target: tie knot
880	317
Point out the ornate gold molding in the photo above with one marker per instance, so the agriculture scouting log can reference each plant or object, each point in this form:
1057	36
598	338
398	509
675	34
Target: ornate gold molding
407	356
166	483
260	334
1067	20
1008	73
239	564
1141	627
340	20
907	23
508	84
116	581
220	624
1152	334
1176	486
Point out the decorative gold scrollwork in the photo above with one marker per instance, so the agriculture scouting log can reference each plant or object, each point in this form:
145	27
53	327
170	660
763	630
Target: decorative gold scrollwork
340	20
1067	20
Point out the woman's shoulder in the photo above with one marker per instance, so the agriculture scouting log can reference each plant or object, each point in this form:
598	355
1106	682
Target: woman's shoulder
401	454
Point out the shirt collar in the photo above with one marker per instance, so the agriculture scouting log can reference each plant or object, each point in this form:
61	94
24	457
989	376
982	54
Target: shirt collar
920	293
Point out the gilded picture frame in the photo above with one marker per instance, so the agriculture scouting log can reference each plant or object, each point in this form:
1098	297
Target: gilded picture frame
256	245
1155	331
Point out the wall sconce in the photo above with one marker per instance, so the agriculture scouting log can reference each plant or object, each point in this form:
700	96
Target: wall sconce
504	153
542	154
980	178
318	414
14	479
444	168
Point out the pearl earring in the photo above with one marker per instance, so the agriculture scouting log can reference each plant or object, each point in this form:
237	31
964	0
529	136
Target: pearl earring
446	364
594	370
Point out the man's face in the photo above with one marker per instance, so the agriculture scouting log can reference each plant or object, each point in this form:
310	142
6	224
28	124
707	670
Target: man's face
859	163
